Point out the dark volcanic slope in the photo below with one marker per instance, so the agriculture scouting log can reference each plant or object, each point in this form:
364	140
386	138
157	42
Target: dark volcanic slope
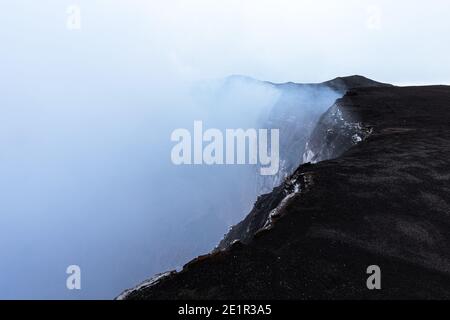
296	113
385	201
356	81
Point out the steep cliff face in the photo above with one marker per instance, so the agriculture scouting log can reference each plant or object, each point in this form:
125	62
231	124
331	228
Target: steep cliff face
382	198
306	135
296	114
335	133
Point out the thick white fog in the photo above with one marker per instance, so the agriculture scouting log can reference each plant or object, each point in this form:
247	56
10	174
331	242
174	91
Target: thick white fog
86	117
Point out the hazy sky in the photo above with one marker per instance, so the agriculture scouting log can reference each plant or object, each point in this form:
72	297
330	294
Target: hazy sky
86	116
283	40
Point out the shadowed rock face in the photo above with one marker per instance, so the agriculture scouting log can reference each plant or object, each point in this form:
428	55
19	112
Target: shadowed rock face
385	200
305	136
296	113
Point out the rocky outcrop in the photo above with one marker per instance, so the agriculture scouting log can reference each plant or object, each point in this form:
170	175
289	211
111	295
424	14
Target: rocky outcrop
335	133
296	114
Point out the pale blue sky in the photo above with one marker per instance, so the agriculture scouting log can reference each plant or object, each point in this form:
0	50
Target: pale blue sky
304	41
